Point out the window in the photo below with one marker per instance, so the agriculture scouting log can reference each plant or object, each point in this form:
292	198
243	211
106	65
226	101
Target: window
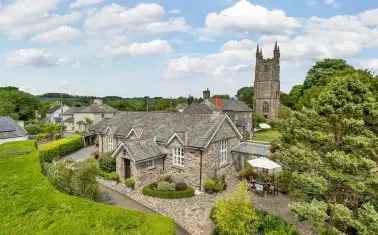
265	107
223	151
178	157
150	164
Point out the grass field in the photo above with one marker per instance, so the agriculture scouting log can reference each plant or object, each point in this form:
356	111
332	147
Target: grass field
30	204
266	135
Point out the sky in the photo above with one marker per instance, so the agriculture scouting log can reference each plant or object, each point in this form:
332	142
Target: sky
175	48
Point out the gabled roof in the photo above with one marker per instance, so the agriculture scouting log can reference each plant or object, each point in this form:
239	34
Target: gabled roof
141	150
97	108
208	106
196	129
236	105
10	128
73	110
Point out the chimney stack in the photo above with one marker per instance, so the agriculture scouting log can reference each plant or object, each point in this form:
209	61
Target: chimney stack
206	94
218	103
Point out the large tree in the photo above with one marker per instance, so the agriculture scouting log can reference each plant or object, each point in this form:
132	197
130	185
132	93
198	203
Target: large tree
17	104
329	152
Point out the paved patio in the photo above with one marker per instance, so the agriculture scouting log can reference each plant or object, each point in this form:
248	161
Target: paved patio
193	213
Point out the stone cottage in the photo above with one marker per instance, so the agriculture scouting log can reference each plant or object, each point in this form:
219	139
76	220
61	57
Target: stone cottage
146	145
238	111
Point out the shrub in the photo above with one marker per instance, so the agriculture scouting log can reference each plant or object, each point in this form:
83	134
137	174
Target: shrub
215	185
59	148
166	178
247	173
149	190
181	186
107	163
130	182
271	224
42	137
109	176
234	214
76	178
165	186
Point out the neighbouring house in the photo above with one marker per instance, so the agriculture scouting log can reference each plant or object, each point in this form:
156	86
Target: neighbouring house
239	112
191	147
78	119
55	113
246	151
10	130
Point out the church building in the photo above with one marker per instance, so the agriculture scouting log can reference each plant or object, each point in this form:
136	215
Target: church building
267	84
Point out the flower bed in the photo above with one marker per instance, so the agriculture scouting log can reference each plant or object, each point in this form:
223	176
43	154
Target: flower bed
168	189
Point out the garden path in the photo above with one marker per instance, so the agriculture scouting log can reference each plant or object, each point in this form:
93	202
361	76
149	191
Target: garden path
81	155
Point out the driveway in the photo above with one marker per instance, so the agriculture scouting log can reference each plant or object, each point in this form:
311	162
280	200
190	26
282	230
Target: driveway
81	155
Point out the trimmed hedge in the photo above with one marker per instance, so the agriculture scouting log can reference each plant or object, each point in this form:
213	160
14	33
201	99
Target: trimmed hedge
150	190
56	149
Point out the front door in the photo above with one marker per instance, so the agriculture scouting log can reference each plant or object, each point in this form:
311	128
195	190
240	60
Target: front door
127	168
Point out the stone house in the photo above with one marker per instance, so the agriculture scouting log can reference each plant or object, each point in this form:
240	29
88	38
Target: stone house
75	119
238	111
191	147
11	131
55	113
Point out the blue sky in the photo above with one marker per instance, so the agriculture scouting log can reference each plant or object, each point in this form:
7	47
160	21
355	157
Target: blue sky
175	48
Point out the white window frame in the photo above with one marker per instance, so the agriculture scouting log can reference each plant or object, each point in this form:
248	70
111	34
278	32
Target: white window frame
223	151
178	157
150	164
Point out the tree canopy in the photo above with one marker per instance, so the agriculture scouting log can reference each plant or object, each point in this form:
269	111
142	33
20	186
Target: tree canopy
329	150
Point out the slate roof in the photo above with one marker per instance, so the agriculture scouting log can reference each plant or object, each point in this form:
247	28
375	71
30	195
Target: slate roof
97	108
144	149
73	110
10	128
195	129
201	108
208	106
236	105
256	149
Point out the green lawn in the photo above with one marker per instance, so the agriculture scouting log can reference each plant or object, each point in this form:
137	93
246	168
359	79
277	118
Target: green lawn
29	204
266	135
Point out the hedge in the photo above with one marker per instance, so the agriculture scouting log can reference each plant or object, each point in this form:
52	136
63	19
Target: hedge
150	191
56	149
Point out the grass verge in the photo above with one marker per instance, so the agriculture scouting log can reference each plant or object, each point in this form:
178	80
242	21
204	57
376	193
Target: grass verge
31	205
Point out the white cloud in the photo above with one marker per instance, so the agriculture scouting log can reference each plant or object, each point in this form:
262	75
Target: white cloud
85	3
172	25
31	57
155	47
141	19
116	16
369	17
371	64
233	57
61	34
23	18
246	17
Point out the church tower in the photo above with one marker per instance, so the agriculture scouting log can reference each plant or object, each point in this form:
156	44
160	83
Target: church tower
267	84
